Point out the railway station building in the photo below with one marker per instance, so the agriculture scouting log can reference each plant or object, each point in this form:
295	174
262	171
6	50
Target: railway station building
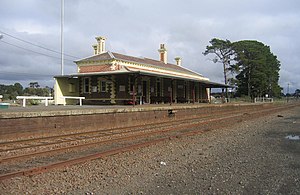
114	78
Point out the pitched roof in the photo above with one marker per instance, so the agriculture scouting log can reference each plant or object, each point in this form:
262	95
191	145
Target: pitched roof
99	57
145	61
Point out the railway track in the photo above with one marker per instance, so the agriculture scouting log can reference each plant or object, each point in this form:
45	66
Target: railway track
32	156
8	148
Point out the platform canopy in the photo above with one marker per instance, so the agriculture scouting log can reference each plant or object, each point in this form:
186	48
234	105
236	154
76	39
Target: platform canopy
207	83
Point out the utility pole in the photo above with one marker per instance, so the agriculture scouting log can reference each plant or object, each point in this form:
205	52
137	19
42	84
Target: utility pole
62	37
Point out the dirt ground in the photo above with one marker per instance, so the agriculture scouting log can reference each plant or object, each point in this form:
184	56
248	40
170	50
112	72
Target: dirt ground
252	157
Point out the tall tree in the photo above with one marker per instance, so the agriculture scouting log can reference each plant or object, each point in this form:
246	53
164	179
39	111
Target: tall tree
224	53
34	89
258	69
34	85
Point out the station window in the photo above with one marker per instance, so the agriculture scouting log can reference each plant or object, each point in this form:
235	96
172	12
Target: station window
103	86
86	85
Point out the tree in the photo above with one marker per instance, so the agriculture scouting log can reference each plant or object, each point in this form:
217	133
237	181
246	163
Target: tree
223	53
34	89
297	92
11	91
258	69
34	85
18	88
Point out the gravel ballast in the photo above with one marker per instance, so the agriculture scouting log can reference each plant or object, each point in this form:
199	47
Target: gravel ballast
251	157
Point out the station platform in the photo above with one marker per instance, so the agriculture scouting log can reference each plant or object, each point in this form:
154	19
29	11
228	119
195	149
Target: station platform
70	110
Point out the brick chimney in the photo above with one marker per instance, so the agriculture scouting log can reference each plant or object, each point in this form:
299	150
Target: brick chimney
178	61
163	54
99	48
95	47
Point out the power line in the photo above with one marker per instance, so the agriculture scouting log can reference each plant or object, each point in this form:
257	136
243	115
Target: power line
33	51
42	47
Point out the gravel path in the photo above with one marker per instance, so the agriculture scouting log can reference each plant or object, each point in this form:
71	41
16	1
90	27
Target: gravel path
252	157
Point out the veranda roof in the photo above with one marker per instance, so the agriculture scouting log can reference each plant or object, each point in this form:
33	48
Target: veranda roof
208	84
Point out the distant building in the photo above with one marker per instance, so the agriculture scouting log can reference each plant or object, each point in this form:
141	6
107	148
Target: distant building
113	78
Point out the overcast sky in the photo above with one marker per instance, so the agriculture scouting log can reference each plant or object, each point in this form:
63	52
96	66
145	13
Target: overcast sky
137	27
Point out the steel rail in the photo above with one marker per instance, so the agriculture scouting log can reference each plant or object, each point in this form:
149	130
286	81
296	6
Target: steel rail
89	144
86	144
142	134
40	169
100	133
116	150
103	130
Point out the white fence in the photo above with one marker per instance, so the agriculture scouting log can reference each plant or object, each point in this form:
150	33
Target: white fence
263	99
73	97
24	98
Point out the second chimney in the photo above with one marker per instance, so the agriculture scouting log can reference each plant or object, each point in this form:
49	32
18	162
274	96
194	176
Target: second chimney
163	54
178	61
99	48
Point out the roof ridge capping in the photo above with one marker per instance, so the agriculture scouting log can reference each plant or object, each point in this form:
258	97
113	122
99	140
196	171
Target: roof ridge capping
145	58
111	54
95	57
